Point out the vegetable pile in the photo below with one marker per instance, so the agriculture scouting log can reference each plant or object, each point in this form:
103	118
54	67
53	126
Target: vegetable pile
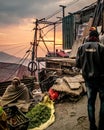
38	115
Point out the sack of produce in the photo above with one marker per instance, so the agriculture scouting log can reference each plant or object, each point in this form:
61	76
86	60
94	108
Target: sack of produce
42	115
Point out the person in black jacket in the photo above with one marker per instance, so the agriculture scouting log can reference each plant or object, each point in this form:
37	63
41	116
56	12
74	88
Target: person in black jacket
90	59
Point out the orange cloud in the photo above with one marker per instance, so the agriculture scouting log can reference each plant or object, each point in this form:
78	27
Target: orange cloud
23	34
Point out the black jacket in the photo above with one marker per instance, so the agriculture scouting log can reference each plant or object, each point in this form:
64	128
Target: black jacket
90	58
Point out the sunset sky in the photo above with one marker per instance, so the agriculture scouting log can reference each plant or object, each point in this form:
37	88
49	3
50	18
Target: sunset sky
16	23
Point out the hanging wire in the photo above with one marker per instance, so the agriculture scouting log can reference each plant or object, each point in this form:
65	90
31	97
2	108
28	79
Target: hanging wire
17	68
11	44
60	10
9	56
12	48
42	49
56	12
19	64
29	50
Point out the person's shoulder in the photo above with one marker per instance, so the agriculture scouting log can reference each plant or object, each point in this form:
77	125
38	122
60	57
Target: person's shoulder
10	86
84	44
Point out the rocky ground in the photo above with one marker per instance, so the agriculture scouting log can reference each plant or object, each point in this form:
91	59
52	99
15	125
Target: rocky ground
72	116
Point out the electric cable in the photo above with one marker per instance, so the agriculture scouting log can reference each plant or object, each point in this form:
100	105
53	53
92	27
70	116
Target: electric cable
71	3
18	66
44	35
12	48
11	44
24	55
18	62
58	11
9	56
42	49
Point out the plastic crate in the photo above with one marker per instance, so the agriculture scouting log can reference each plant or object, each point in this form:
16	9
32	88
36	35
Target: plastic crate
16	120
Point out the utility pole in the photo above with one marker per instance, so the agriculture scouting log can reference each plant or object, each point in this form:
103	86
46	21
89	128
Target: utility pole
63	9
54	38
35	39
34	49
32	66
63	12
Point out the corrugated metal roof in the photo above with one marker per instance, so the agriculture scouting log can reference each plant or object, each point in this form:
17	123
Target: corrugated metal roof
80	4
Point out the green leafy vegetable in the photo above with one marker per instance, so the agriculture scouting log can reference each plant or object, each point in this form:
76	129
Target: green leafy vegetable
38	115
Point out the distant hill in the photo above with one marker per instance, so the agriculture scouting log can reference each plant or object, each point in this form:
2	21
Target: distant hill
7	58
10	70
11	66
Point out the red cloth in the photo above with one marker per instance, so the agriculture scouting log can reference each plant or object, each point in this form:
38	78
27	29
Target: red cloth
53	94
62	54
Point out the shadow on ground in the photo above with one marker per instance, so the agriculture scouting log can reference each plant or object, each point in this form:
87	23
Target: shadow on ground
72	116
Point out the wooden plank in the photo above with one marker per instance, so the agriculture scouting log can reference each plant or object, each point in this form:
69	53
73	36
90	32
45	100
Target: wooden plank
75	47
86	30
74	79
80	41
73	82
79	78
74	86
61	86
53	69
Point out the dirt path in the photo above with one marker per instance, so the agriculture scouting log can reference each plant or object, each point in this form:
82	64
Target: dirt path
72	116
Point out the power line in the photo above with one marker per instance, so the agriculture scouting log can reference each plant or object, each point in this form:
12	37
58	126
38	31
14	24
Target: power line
19	65
18	62
12	48
17	52
25	54
11	44
58	11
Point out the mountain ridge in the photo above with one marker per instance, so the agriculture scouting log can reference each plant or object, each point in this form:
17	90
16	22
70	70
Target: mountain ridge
8	58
